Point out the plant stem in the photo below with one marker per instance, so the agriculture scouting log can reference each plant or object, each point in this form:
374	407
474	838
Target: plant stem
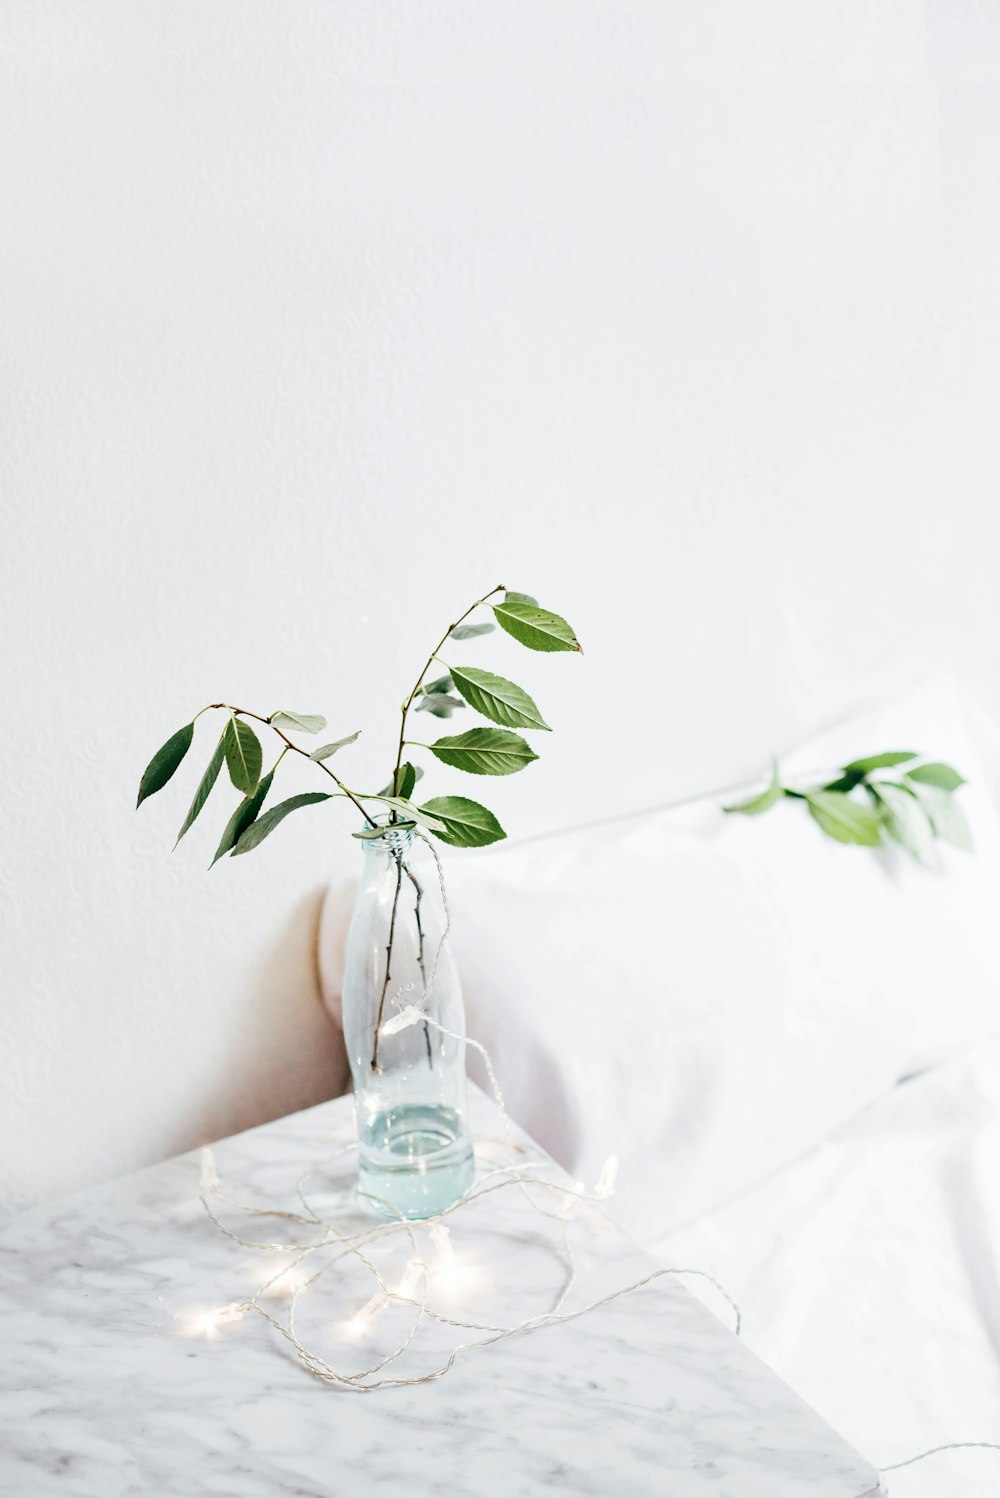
244	712
388	958
393	817
500	588
418	895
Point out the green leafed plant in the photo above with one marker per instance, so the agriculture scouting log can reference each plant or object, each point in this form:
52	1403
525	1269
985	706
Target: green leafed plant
164	762
861	804
492	750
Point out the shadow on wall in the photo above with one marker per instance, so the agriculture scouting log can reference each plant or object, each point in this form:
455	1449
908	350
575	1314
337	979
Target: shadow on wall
289	1053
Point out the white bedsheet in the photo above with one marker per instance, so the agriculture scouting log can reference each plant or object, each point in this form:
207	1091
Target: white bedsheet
868	1274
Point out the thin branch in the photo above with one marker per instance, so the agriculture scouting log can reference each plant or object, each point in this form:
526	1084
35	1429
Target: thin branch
388	958
500	588
418	896
244	712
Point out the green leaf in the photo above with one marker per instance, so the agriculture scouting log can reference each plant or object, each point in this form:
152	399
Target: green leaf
298	722
242	817
905	819
418	774
521	597
943	777
862	767
404	781
408	810
466	823
845	820
532	626
243	755
845	782
439	704
440	684
265	825
206	783
764	801
946	816
471	631
497	698
485	751
328	749
165	762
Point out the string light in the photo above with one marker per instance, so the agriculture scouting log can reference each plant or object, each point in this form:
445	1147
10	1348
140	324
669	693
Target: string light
275	1277
911	1461
450	1277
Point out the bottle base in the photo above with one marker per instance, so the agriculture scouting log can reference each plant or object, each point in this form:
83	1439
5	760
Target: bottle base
414	1161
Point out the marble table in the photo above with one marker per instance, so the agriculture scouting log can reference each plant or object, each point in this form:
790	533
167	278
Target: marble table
109	1388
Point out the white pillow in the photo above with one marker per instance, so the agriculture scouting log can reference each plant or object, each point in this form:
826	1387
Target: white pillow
708	996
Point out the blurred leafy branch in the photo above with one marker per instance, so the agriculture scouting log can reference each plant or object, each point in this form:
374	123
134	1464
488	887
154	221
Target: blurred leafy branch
860	803
457	820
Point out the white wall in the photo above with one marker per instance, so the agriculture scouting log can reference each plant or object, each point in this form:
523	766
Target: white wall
319	319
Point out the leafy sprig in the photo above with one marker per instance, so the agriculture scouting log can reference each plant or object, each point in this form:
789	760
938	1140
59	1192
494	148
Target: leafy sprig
494	750
861	803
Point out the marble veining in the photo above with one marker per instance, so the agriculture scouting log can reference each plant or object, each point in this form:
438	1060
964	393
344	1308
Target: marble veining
103	1393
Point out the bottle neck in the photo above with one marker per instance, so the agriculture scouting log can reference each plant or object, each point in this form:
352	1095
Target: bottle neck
393	843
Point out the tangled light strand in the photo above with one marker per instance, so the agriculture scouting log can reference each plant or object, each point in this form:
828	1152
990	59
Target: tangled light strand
922	1456
412	1291
526	1175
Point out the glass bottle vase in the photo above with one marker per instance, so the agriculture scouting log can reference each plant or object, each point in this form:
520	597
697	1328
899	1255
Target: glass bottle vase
415	1154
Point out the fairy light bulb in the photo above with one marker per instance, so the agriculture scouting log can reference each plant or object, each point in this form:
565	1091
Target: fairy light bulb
207	1322
409	1283
413	1276
275	1277
441	1239
606	1180
370	1308
352	1328
209	1175
409	1015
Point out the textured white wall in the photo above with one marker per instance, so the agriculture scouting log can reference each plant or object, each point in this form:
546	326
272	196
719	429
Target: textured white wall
318	319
